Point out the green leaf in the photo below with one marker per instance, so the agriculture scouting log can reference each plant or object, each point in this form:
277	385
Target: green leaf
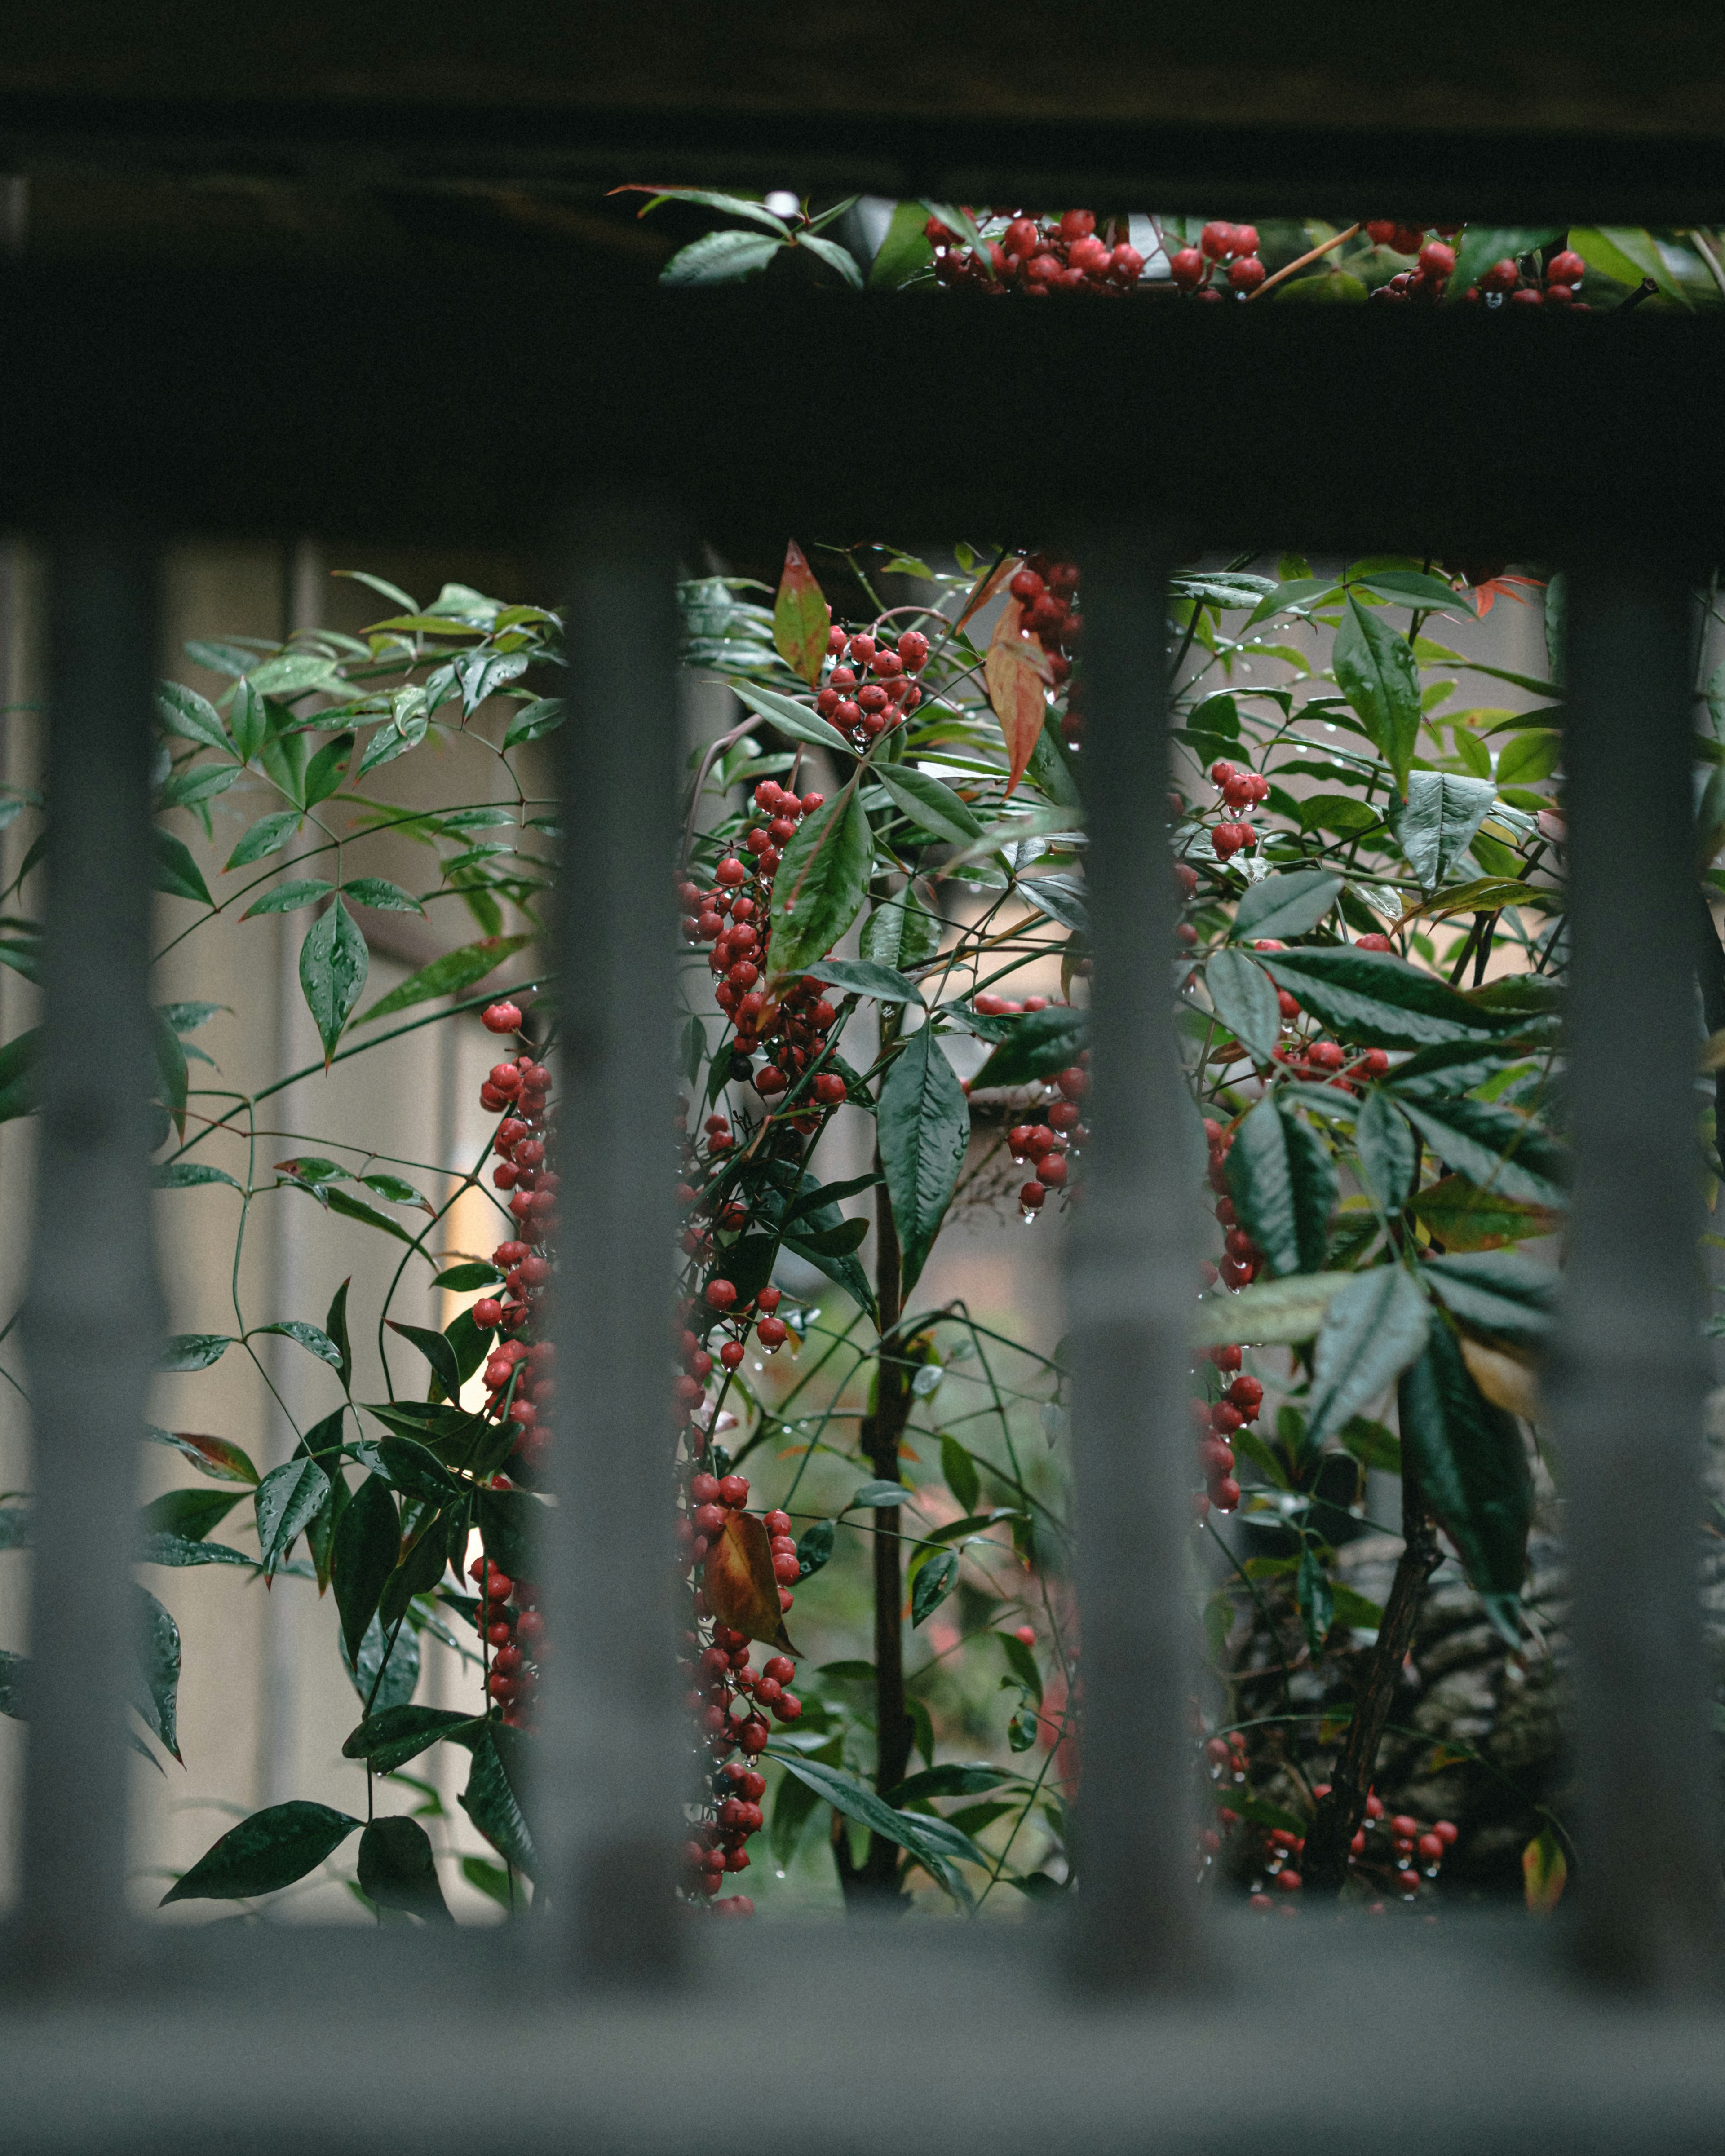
1436	825
181	1550
815	1548
156	1678
1481	245
543	715
797	719
800	615
719	258
182	711
290	675
1497	1291
490	1879
379	891
935	1844
1380	1000
188	1175
1473	1473
1495	1147
1244	997
821	883
333	965
1627	254
249	718
792	1806
1531	756
324	773
490	1801
389	1739
176	871
901	933
288	1499
365	1552
1468	1218
834	256
1035	1045
950	1780
311	1337
1412	588
269	1851
355	1208
1284	905
335	1324
934	1582
193	1350
929	803
1267	1313
451	975
422	1565
866	979
204	783
379	1682
1021	1661
923	1129
268	835
210	1455
1284	1186
188	1513
463	1279
1388	1154
436	1350
1372	1330
876	1495
1315	1601
289	897
904	252
397	1870
1375	671
170	1068
507	1521
958	1471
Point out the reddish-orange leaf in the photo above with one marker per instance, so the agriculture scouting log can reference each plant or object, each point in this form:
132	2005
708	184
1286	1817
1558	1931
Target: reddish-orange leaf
740	1589
986	588
1543	1873
801	618
1016	668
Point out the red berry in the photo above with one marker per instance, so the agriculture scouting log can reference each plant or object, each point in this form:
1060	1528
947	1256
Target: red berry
1217	240
1076	224
731	1354
487	1313
704	1488
1246	274
501	1018
1186	268
1565	268
771	1332
1031	1197
828	1088
1437	259
721	1294
811	802
1501	277
1225	1495
734	1490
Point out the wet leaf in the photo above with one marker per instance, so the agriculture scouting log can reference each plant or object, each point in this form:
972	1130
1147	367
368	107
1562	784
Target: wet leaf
397	1870
268	1851
923	1127
1289	904
155	1690
1244	997
1268	1313
215	1456
741	1589
1374	670
929	803
1034	1045
365	1549
822	883
1380	1000
1437	824
1499	1149
934	1582
1283	1183
398	1734
333	965
176	871
491	1801
800	618
1372	1330
287	1500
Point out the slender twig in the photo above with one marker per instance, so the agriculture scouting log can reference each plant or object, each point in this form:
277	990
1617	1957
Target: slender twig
1288	270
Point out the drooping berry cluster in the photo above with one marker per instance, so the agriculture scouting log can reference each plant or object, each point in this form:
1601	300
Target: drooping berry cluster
859	708
1215	1422
1050	1146
1062	254
730	1700
1225	255
1047	594
1241	791
513	1632
1415	1852
1553	286
1435	256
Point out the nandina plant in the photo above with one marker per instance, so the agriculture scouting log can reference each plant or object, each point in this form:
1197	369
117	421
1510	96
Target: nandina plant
1368	966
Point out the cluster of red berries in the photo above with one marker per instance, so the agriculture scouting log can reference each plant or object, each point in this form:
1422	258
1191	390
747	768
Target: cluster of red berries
1555	285
512	1634
730	1700
1061	255
518	1371
1240	790
1047	594
735	1322
1415	1851
857	707
1216	1421
1047	1148
1435	255
1225	253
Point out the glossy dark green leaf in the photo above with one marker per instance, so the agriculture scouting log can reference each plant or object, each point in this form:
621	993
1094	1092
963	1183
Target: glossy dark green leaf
923	1127
791	1806
1315	1601
950	1780
436	1350
287	1500
814	1547
379	891
193	1350
1061	898
935	1844
182	711
176	871
171	1074
181	1550
1412	587
958	1471
902	932
1439	819
929	803
1244	999
1021	1660
1497	1291
423	1564
1495	1147
878	1494
1283	1183
355	1209
191	1514
289	897
1374	1327
541	717
333	965
904	252
863	977
397	1870
334	1325
451	975
268	835
401	1734
365	1552
1380	1000
384	1673
312	1337
493	1803
464	1279
933	1583
797	719
821	883
155	1689
719	258
188	1175
507	1521
269	1851
1375	671
1473	1472
1289	904
1387	1153
211	1455
1035	1045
